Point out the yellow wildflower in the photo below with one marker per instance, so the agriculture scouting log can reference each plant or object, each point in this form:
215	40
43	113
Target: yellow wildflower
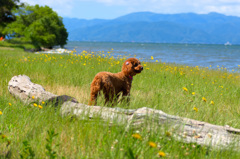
156	60
152	144
4	136
43	102
167	133
161	154
10	104
209	135
185	89
39	106
35	105
193	93
33	97
152	58
204	99
212	102
196	109
137	136
197	136
1	112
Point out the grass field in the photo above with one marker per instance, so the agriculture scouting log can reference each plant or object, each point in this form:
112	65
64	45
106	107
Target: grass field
206	94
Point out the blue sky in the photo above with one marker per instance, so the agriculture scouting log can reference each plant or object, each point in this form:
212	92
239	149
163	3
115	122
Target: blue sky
110	9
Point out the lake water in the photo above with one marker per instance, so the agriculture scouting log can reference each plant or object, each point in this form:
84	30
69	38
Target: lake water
188	54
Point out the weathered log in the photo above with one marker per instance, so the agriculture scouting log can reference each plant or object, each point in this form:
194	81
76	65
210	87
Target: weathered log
28	92
183	129
22	87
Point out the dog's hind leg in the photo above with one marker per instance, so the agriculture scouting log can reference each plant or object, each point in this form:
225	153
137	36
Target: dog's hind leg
95	90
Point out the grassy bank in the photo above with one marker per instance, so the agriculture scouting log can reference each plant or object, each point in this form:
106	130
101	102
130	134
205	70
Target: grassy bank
18	43
209	95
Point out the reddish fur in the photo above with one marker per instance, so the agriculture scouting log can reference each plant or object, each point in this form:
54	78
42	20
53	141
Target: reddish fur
112	84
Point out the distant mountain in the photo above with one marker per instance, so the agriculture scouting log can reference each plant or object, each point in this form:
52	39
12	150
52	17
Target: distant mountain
212	28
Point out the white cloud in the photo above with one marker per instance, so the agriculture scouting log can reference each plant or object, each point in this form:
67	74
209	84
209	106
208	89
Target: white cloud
229	7
65	7
62	7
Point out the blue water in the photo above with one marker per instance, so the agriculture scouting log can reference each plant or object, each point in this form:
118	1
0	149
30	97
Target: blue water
188	54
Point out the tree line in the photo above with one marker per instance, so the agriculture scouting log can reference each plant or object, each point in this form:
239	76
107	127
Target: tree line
38	25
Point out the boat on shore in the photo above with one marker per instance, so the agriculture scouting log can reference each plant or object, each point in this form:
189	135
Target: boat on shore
55	51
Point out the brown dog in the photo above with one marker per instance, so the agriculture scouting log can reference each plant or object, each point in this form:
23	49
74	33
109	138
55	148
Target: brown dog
112	84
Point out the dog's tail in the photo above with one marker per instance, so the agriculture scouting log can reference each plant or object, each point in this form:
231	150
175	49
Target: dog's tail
96	86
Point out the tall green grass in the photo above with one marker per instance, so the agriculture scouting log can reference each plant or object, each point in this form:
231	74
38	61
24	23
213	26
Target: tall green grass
29	131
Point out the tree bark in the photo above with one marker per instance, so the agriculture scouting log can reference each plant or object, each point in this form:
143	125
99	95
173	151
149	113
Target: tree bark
182	129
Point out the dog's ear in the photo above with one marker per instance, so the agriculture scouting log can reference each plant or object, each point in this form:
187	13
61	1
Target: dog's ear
126	68
127	63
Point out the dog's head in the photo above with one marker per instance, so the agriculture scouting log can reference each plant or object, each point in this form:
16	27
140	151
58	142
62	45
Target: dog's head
131	67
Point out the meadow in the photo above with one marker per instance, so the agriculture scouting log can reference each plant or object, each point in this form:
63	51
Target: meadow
28	131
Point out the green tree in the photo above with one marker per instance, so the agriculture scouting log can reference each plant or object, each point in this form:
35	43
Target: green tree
39	25
6	15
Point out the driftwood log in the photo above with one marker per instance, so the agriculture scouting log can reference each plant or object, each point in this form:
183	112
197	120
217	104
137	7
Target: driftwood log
183	129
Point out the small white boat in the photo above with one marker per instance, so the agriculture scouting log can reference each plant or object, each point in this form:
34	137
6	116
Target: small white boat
227	43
